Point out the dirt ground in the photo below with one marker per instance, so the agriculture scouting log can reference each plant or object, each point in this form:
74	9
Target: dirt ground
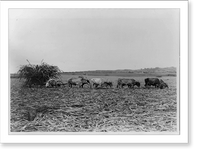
92	110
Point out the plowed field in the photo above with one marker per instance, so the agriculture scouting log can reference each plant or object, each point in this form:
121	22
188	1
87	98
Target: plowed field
87	109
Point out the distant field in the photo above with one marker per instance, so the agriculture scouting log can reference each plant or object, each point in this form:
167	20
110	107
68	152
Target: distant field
94	110
122	74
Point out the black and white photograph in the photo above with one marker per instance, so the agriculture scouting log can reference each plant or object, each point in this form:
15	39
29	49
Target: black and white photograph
94	70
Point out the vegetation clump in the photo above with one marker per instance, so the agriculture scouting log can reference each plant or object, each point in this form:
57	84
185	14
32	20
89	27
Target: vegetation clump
38	75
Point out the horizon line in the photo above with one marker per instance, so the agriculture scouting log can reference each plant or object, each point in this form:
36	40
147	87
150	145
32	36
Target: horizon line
114	69
120	69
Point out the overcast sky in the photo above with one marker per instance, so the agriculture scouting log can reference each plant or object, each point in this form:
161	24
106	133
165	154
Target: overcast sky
94	39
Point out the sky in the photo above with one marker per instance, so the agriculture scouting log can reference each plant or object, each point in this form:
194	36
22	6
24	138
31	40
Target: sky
94	39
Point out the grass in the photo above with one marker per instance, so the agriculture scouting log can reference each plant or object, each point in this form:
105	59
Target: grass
94	110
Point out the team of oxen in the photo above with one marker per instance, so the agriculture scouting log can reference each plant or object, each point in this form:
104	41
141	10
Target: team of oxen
99	83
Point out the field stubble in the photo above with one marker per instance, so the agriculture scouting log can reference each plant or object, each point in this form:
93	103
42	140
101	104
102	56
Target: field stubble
93	110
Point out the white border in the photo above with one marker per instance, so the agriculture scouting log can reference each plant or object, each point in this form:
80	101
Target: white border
181	138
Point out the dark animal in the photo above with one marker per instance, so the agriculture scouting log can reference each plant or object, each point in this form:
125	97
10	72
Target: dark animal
155	82
127	82
54	83
80	82
152	82
107	84
163	85
136	84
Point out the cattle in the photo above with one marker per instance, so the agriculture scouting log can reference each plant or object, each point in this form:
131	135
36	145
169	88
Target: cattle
54	83
127	82
96	82
155	82
85	81
79	81
137	84
163	84
107	83
152	82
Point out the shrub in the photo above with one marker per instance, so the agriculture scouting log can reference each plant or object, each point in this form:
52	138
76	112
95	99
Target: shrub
38	74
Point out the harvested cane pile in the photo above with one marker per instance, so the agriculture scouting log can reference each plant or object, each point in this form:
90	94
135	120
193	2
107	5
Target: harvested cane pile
38	75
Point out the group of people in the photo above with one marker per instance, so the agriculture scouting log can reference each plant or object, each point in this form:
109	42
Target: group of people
99	82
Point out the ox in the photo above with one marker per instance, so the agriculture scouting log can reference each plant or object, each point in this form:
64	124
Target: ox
107	83
54	83
155	82
101	82
80	81
152	82
127	82
96	82
163	84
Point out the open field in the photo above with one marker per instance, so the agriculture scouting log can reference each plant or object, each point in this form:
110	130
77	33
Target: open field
94	110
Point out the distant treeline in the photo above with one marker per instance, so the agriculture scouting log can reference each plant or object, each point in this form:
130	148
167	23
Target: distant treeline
168	71
158	72
106	74
125	74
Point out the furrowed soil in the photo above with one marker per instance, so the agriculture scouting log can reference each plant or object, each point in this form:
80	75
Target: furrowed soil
88	110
